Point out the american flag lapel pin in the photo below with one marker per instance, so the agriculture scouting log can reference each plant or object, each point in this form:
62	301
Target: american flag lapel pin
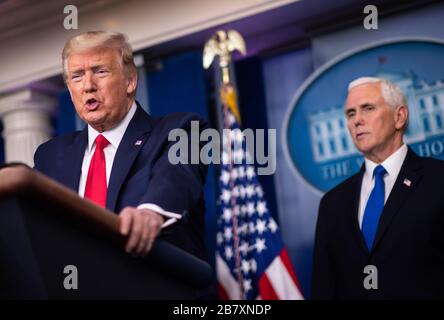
138	143
407	182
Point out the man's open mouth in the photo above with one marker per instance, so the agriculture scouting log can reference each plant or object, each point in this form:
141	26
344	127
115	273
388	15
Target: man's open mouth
92	104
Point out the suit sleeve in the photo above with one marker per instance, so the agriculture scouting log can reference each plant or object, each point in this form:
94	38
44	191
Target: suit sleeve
38	161
323	282
178	187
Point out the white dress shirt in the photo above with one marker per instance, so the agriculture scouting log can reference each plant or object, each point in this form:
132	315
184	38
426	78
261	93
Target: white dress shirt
392	165
114	136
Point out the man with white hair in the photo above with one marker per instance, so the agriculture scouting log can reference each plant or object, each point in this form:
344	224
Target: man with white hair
120	160
380	233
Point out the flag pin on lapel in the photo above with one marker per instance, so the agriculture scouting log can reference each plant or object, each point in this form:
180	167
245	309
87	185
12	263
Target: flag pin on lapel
138	143
407	182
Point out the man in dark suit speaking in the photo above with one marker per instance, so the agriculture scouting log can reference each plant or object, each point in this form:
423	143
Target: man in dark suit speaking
380	233
120	160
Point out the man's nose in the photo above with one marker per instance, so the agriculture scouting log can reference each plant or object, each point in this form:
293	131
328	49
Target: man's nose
89	84
358	119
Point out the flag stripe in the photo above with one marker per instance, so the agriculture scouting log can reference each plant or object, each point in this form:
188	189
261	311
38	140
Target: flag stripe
226	281
281	281
223	295
266	289
288	265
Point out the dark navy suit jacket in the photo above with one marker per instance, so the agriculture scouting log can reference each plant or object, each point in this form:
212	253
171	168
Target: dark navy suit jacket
141	173
408	250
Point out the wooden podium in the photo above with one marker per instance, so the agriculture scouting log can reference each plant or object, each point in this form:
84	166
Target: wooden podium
45	227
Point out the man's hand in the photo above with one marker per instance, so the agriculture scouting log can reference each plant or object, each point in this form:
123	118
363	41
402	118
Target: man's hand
142	227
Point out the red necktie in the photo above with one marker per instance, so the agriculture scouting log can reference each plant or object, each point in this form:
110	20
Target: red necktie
96	187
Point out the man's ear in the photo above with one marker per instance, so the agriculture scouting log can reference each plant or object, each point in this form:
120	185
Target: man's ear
401	117
131	83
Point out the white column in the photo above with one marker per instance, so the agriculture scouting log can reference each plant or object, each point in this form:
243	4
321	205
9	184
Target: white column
26	117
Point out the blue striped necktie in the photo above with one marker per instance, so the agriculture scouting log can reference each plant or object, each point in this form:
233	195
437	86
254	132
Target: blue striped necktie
374	207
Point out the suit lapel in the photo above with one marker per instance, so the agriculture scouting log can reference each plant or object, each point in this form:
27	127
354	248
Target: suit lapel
408	179
356	193
72	161
132	142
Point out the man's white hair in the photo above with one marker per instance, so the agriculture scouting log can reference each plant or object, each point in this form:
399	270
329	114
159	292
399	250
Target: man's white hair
391	93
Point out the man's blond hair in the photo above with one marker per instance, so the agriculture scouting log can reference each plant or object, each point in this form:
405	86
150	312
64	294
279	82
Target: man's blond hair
93	40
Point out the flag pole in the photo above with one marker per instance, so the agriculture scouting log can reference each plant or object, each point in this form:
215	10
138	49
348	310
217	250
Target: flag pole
221	45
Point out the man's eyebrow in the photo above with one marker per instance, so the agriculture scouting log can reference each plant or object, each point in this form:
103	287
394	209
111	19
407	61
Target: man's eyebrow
106	66
352	108
366	104
362	105
97	66
93	67
78	70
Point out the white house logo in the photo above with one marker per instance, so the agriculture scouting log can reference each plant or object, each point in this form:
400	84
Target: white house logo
316	138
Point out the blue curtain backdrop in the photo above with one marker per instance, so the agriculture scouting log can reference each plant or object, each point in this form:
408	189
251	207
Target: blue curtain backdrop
179	86
65	122
253	110
283	74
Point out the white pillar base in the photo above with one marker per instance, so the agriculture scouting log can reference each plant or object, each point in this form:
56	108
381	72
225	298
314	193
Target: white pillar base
26	117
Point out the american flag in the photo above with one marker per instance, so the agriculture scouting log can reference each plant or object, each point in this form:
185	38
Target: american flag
251	260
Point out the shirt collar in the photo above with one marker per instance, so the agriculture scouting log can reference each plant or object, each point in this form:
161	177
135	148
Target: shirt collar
392	164
114	135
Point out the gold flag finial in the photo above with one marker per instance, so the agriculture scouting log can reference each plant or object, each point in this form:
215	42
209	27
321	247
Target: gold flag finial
222	44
